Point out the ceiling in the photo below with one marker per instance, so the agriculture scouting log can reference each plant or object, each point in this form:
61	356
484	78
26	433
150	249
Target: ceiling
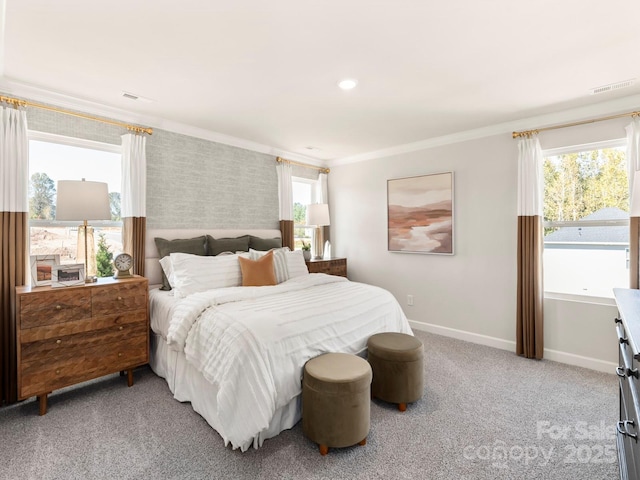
266	73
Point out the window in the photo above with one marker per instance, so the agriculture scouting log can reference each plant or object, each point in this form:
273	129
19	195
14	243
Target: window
53	158
304	193
586	220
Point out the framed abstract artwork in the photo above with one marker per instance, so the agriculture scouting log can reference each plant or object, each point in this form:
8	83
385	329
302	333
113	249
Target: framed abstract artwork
420	214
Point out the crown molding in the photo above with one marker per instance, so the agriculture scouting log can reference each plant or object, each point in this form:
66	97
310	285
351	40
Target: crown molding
63	100
612	107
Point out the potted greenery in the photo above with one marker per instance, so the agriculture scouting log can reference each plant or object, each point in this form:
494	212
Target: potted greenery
306	250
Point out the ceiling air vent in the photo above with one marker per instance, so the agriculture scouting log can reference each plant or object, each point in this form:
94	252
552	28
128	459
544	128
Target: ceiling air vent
612	86
130	96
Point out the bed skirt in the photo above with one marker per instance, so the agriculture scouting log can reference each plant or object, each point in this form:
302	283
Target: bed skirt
188	385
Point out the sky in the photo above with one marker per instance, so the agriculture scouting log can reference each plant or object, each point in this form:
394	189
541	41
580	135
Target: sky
64	162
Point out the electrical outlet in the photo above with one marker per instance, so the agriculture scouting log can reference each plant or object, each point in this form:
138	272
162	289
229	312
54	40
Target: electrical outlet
410	300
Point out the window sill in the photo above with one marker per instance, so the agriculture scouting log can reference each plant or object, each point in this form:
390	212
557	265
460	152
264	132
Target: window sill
570	297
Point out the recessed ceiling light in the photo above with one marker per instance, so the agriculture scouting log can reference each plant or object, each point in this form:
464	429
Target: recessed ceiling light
347	84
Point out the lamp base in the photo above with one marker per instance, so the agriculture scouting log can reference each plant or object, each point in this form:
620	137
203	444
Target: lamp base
317	245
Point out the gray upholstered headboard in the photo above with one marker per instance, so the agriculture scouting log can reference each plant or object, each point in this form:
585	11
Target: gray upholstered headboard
152	267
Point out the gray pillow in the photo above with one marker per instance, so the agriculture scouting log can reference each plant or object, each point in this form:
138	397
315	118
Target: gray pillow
264	244
195	246
219	245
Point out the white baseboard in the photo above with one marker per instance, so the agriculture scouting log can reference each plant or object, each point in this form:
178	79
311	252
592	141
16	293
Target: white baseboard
554	355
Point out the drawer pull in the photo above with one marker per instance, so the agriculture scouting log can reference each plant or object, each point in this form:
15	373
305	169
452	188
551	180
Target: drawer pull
58	341
617	320
621	426
119	299
620	372
58	307
120	327
119	354
58	372
632	372
624	340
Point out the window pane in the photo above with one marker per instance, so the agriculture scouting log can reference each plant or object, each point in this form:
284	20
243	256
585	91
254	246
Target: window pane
302	196
50	162
586	256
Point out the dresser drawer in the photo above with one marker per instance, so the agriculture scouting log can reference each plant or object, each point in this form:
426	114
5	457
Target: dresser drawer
54	306
78	326
119	299
47	374
59	345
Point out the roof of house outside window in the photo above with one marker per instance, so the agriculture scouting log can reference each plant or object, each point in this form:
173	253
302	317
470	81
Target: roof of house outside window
602	234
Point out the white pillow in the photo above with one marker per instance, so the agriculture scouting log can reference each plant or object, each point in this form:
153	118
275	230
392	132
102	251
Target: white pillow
296	264
167	268
197	273
279	262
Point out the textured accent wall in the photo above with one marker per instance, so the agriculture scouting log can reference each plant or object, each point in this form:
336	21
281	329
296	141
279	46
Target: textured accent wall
196	183
191	182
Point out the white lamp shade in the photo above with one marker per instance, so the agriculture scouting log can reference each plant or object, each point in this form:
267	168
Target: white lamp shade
79	200
634	207
318	214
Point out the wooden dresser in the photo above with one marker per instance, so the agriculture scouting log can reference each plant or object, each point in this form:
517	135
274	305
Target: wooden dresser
334	266
72	334
628	332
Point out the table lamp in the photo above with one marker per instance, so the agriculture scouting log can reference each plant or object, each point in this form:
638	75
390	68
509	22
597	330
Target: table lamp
79	200
318	217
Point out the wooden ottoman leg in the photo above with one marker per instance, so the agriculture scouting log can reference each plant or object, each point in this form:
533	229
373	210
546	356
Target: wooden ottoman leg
324	450
402	407
363	441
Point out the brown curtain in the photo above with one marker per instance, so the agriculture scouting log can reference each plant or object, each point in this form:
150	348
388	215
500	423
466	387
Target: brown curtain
634	245
134	231
529	327
13	261
286	229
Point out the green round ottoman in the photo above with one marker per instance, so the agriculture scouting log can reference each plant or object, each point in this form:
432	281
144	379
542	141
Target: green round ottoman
397	361
336	400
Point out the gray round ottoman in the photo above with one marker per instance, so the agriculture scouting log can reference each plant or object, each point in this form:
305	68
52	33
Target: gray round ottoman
336	400
397	361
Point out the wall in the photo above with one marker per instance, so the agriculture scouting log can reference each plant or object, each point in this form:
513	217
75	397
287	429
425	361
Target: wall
191	182
472	294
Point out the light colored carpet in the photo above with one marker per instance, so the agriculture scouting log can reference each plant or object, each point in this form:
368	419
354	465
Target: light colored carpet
486	414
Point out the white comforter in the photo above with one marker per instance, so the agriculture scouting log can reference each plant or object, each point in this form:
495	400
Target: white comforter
252	342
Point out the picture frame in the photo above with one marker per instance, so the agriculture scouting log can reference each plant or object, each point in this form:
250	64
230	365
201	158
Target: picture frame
67	275
420	214
41	268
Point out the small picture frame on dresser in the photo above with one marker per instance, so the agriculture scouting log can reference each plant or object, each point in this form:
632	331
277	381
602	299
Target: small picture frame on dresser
67	275
42	269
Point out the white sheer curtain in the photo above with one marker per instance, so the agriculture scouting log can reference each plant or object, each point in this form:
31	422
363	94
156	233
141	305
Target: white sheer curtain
285	190
14	231
529	326
134	198
322	195
285	202
134	176
633	165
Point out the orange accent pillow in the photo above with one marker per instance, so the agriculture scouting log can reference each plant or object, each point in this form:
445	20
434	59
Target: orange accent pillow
258	273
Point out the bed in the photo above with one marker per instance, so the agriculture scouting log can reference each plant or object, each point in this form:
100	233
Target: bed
236	353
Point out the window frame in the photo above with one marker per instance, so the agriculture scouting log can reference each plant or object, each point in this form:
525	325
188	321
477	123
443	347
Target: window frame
48	137
551	152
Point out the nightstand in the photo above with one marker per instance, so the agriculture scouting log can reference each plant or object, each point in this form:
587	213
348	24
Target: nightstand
333	266
69	335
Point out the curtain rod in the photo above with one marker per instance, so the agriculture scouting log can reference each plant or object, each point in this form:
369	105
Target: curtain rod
306	165
528	133
24	103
